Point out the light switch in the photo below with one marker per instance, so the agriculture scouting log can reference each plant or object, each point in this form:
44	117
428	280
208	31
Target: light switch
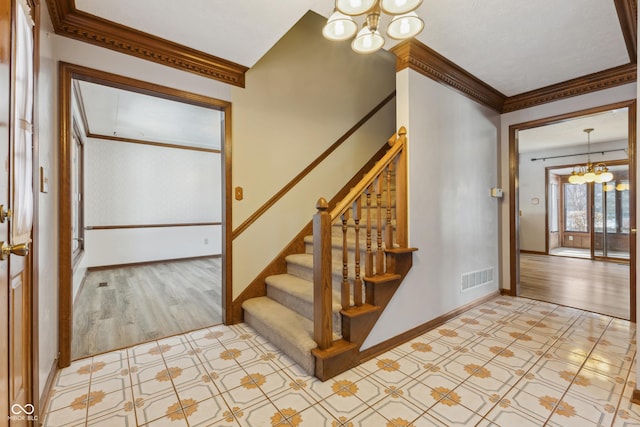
239	195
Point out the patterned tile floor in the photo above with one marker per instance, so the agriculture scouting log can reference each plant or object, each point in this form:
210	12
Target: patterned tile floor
510	362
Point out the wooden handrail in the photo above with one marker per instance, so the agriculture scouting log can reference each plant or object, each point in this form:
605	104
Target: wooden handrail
368	179
284	190
373	184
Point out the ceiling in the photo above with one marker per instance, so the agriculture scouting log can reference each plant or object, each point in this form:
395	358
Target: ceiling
608	126
112	112
512	45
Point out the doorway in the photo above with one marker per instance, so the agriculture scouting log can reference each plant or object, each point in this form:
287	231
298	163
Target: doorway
147	198
600	222
589	220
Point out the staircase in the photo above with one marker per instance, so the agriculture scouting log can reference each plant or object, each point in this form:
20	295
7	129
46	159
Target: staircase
321	310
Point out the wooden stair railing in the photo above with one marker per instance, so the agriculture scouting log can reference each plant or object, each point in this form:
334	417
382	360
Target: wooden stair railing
382	264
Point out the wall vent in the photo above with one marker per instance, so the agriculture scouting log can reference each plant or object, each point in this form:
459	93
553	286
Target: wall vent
477	278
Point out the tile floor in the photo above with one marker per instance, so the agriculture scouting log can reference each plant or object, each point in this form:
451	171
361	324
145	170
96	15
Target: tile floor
510	362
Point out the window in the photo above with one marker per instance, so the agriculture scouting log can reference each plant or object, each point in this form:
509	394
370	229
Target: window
77	213
576	217
553	207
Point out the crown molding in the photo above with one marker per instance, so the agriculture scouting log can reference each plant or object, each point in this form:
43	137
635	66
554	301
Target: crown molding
70	22
612	77
419	57
416	56
628	16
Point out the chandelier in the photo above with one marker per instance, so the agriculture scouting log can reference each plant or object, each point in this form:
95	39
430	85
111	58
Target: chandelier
405	23
590	173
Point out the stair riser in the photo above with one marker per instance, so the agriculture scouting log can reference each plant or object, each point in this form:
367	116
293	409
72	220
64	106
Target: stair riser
303	358
306	273
336	255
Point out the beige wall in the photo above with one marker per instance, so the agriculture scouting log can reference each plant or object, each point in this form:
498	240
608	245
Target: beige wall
303	95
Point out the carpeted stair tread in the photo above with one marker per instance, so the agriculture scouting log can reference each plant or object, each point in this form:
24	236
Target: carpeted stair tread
297	294
284	328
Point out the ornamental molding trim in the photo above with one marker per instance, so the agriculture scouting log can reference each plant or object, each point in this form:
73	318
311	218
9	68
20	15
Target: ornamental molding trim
70	22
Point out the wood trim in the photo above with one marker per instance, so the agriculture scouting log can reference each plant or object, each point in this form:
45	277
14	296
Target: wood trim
117	227
628	16
156	144
291	184
635	396
73	23
227	219
143	263
33	266
278	265
513	200
419	57
404	337
606	79
514	207
633	174
46	390
68	72
524	251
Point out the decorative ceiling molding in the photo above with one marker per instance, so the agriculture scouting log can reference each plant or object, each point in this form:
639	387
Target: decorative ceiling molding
612	77
417	56
73	23
628	16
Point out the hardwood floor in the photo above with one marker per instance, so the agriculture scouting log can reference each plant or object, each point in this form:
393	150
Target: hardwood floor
598	286
125	306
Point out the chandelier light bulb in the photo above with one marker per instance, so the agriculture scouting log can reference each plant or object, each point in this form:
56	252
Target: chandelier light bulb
339	27
367	41
606	175
399	7
405	26
354	7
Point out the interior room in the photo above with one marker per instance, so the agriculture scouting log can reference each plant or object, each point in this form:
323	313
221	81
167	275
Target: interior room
575	235
146	228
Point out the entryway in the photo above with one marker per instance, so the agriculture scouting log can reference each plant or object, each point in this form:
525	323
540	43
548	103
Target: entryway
573	242
143	199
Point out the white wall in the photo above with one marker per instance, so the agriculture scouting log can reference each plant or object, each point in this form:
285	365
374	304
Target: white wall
532	185
453	221
53	49
47	131
568	105
300	98
137	185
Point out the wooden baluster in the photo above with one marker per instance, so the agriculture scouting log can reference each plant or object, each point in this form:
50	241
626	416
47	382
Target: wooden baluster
388	228
401	191
322	291
379	251
368	261
357	284
345	295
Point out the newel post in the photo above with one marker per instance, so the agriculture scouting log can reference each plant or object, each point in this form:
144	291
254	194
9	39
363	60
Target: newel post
402	208
322	301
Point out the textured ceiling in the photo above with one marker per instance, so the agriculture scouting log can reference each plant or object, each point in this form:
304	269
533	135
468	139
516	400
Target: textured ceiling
124	114
513	45
608	126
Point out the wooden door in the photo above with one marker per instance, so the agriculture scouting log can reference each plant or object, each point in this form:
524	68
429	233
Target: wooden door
16	213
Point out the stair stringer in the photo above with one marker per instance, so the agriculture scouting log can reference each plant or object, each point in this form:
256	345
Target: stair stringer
358	322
